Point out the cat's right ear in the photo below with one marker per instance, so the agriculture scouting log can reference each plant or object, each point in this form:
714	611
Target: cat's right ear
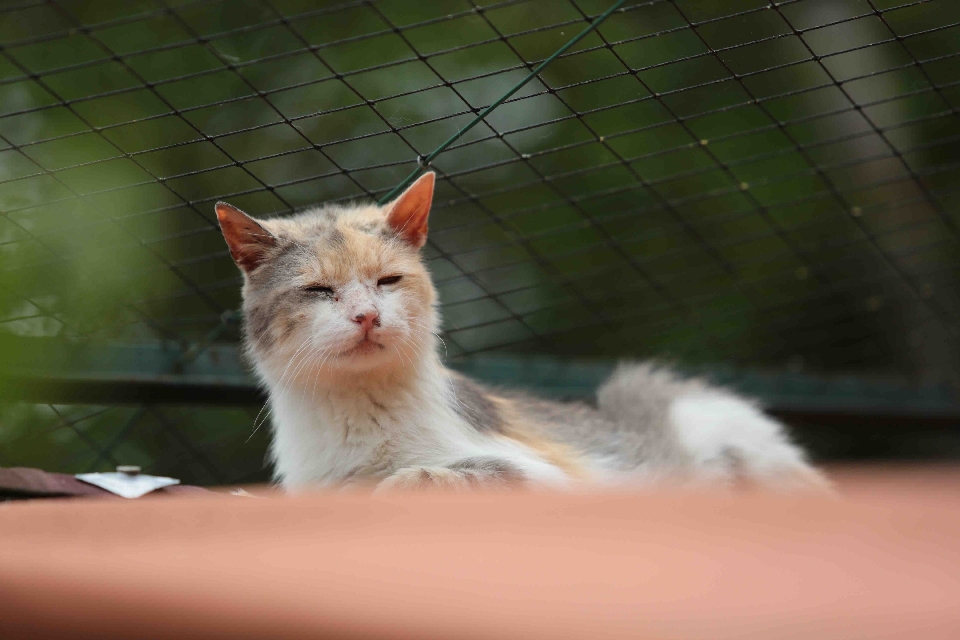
248	241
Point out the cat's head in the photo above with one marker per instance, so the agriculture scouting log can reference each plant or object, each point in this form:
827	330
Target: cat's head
337	289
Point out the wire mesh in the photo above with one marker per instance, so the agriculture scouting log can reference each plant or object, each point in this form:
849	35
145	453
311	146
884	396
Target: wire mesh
763	183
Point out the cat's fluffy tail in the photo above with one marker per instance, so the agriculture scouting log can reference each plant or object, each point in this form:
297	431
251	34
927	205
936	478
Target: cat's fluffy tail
706	430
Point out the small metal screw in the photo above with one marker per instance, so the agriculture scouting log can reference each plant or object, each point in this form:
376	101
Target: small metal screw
129	469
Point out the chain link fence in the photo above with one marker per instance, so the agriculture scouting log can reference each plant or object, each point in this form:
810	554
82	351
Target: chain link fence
749	183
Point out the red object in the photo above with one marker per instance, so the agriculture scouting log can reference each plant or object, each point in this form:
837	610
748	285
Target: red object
880	561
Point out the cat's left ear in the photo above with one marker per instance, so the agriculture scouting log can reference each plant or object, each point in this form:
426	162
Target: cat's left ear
407	215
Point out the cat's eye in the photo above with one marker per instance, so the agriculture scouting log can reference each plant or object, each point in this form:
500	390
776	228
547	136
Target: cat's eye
319	289
388	280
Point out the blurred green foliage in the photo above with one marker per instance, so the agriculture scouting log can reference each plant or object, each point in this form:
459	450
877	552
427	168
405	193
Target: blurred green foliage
774	187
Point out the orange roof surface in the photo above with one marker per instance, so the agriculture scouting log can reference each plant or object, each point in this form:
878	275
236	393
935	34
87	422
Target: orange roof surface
882	560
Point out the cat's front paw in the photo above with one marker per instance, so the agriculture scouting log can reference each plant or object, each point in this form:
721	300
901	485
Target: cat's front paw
422	478
469	473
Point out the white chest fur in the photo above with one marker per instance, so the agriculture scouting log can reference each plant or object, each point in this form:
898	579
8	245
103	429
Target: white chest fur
326	436
320	443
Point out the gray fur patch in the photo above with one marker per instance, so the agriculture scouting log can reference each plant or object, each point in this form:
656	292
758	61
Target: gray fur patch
274	273
284	248
335	239
256	321
369	227
474	405
488	465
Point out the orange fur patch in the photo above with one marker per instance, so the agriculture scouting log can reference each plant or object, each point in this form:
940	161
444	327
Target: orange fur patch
360	253
519	428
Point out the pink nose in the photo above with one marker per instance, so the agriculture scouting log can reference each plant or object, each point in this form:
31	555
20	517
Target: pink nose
367	321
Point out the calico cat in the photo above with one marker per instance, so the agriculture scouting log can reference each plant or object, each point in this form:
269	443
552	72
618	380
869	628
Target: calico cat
340	321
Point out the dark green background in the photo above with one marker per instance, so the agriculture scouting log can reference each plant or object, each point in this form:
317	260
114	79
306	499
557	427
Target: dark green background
773	188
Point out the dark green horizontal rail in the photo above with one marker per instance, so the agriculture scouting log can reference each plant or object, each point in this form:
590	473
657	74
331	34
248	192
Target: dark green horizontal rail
52	371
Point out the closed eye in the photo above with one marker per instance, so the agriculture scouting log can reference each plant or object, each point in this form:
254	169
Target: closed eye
388	280
319	289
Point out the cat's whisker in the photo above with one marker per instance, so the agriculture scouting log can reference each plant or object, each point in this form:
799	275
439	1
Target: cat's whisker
319	368
280	383
402	354
265	418
417	352
414	357
418	346
259	413
315	363
293	360
312	359
310	365
423	326
402	363
423	345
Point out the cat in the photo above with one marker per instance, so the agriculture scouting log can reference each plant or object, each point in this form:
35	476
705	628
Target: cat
340	323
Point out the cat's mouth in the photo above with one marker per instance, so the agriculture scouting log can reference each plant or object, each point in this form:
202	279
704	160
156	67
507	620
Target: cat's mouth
364	347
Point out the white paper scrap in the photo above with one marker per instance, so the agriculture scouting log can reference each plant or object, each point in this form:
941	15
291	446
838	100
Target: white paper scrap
126	485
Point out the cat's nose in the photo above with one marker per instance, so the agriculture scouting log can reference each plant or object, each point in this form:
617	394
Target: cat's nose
368	320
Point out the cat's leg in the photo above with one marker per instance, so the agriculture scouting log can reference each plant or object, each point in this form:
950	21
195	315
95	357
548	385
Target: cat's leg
467	473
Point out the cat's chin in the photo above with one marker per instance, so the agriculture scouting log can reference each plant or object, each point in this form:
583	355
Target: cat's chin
364	356
364	348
